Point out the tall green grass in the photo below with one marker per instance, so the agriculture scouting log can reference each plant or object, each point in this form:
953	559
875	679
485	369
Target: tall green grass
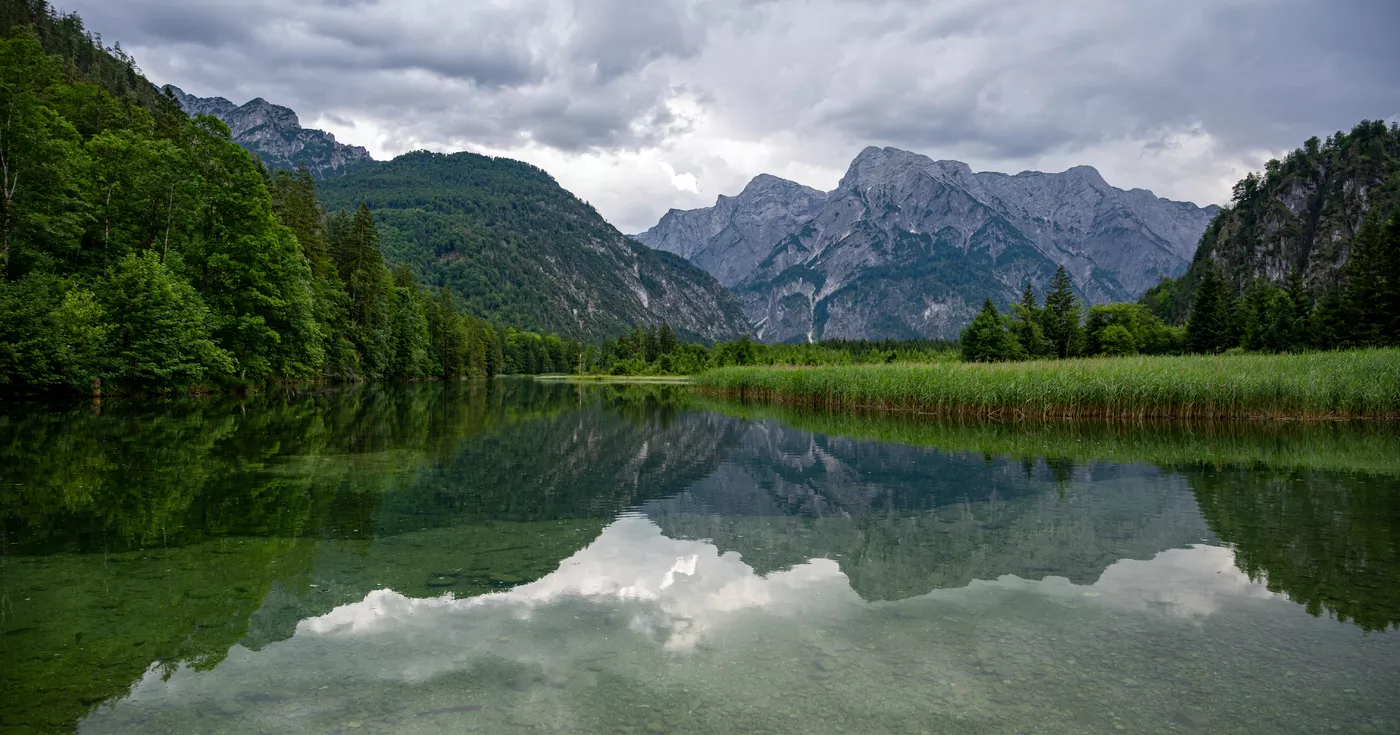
1323	385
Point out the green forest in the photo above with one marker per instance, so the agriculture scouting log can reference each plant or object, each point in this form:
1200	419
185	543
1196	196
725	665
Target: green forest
144	251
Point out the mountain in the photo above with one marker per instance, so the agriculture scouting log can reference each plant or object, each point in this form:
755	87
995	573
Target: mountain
523	251
275	134
909	247
1305	214
732	237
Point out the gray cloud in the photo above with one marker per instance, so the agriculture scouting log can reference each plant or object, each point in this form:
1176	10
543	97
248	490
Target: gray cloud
1176	94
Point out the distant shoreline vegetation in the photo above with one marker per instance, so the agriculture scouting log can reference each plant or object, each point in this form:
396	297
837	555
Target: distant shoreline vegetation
1359	384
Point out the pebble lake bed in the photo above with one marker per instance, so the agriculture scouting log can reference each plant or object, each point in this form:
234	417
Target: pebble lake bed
555	558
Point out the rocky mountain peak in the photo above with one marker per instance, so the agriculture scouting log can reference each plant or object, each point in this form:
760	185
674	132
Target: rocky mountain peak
1089	175
730	238
275	134
909	247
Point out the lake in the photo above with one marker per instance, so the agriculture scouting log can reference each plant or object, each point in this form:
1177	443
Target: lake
522	557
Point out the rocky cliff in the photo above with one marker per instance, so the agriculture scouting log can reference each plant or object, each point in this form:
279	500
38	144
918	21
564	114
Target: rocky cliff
1302	214
908	247
275	134
732	237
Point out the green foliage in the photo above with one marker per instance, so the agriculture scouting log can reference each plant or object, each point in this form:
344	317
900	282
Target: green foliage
1209	330
1267	319
56	333
1144	332
163	337
1060	317
1117	341
987	338
1026	326
145	251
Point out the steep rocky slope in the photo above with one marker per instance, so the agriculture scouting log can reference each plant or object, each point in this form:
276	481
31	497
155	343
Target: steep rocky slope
1303	214
909	247
523	251
275	134
729	239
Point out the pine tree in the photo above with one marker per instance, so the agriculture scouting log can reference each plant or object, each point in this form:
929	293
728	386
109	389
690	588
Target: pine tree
1026	326
1302	310
1327	323
1060	317
667	339
370	286
1365	287
1388	297
1208	329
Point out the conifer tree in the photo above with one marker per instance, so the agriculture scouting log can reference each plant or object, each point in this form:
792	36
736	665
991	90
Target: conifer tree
1327	326
1026	326
1365	287
1061	317
1302	310
1208	329
1388	296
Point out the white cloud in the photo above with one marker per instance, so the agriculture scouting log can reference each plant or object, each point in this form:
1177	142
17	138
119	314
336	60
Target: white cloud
682	182
1177	96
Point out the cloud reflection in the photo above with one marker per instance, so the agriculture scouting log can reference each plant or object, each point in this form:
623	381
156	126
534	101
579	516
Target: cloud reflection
684	588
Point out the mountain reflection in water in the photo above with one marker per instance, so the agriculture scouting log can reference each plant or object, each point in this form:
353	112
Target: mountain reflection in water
528	557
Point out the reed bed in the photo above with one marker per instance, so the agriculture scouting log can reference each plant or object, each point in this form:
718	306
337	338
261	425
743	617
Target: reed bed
1356	384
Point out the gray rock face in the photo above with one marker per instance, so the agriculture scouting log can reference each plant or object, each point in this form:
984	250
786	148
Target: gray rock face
732	237
275	134
909	247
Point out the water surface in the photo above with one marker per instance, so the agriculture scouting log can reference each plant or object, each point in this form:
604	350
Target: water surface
530	558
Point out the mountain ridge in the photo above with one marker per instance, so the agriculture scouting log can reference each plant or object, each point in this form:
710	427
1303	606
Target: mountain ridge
275	134
907	246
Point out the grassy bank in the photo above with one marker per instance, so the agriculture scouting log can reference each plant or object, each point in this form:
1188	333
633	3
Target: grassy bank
1366	447
1325	385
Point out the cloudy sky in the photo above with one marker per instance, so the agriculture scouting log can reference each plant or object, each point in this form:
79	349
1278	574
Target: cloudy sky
643	105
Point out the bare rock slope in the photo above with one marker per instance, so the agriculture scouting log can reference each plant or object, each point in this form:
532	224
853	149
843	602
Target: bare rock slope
907	246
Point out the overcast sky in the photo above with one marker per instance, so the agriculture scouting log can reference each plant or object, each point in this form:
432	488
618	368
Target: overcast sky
643	105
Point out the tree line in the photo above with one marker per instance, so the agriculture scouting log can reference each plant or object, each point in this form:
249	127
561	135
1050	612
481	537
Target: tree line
1061	328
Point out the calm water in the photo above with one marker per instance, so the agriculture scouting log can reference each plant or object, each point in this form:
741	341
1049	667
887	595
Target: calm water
531	558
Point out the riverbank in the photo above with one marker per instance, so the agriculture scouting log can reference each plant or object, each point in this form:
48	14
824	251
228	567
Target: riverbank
1360	384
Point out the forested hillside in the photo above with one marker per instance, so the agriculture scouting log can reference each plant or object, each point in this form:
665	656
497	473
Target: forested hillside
1307	252
522	250
142	250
